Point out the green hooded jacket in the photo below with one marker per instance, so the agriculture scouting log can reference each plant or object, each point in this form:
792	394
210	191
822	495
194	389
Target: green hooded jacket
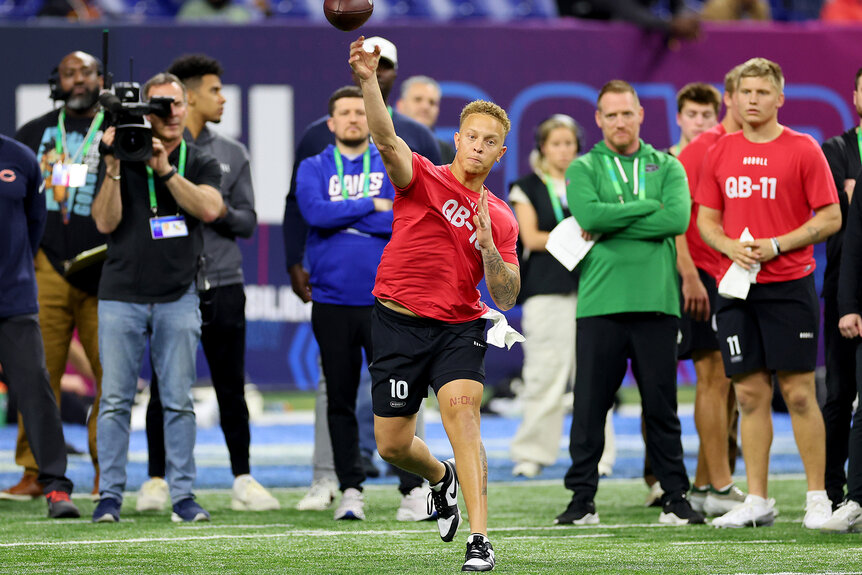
632	267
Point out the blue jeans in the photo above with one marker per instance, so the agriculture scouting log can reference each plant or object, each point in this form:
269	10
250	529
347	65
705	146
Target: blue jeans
174	330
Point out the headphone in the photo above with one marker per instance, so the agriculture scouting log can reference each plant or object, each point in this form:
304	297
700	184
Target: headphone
565	121
56	92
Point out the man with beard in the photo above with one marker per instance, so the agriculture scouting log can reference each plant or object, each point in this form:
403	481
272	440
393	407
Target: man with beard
628	301
346	198
315	139
66	143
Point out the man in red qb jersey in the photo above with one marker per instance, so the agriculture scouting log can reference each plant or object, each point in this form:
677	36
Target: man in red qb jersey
768	180
715	414
427	324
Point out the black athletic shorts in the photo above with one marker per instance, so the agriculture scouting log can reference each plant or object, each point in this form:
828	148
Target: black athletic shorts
412	354
698	335
775	328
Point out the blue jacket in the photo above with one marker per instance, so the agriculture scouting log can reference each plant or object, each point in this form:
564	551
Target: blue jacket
22	221
314	139
346	237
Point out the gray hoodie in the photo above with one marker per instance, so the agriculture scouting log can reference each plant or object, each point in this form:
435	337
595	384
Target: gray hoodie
223	257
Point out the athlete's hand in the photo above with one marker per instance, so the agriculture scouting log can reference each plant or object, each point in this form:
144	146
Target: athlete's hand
299	281
745	254
111	161
850	325
765	249
364	64
695	298
159	160
482	221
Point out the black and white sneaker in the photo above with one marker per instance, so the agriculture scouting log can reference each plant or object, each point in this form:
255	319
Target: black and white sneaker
444	498
678	511
578	512
480	554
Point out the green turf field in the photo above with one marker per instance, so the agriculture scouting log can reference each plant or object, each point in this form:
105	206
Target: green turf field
628	541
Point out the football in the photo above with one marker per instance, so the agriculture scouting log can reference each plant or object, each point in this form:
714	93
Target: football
348	15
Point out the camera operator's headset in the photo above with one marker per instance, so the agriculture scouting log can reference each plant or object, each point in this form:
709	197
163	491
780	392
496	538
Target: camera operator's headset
57	93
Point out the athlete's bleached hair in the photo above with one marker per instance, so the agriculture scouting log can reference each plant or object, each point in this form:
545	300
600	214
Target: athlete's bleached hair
489	109
762	68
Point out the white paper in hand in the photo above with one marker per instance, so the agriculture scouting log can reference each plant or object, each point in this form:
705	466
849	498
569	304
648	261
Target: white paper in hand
737	280
566	244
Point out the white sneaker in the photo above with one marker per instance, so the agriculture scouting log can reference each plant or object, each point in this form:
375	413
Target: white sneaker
153	495
697	497
605	469
845	519
653	498
527	469
753	512
414	506
351	506
818	510
718	503
320	496
249	495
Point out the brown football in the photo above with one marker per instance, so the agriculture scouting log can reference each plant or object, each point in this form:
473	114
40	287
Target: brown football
348	14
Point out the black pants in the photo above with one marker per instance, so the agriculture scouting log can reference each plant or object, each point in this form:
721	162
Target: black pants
223	340
854	467
23	359
840	391
343	333
604	345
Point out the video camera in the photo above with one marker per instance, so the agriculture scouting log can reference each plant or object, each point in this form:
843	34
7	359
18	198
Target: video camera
134	139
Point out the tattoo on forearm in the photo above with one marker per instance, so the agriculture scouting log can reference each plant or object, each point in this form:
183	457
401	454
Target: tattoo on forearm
462	400
813	234
484	459
503	282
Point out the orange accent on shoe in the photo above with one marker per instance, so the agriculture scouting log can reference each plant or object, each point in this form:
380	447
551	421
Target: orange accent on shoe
57	496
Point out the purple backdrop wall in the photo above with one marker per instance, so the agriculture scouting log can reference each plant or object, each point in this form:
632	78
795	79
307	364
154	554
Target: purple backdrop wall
533	70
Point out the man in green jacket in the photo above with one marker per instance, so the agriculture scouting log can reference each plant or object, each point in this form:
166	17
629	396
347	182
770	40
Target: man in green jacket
634	200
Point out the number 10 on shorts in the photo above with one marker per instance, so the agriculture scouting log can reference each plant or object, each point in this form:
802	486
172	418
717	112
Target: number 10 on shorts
399	388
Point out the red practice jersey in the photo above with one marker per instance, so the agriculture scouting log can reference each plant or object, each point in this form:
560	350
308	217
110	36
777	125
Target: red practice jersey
692	157
771	188
433	262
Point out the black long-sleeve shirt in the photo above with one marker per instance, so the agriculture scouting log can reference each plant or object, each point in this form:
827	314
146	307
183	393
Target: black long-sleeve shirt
850	276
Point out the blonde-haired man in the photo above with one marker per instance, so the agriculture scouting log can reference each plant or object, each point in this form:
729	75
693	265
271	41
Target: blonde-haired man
428	322
767	180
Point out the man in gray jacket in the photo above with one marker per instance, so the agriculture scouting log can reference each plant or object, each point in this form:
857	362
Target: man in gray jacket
222	298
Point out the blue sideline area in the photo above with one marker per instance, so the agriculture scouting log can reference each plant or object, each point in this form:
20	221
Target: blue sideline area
281	453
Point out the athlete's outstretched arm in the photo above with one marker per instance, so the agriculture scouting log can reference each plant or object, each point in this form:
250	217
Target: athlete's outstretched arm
394	151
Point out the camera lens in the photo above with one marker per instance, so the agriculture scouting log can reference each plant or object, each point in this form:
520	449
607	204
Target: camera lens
133	143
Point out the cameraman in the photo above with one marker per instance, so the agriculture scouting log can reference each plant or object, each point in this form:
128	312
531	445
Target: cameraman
152	212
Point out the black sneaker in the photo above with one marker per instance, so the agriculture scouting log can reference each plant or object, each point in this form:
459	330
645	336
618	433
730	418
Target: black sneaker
60	506
444	498
677	511
579	512
188	510
480	554
107	511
